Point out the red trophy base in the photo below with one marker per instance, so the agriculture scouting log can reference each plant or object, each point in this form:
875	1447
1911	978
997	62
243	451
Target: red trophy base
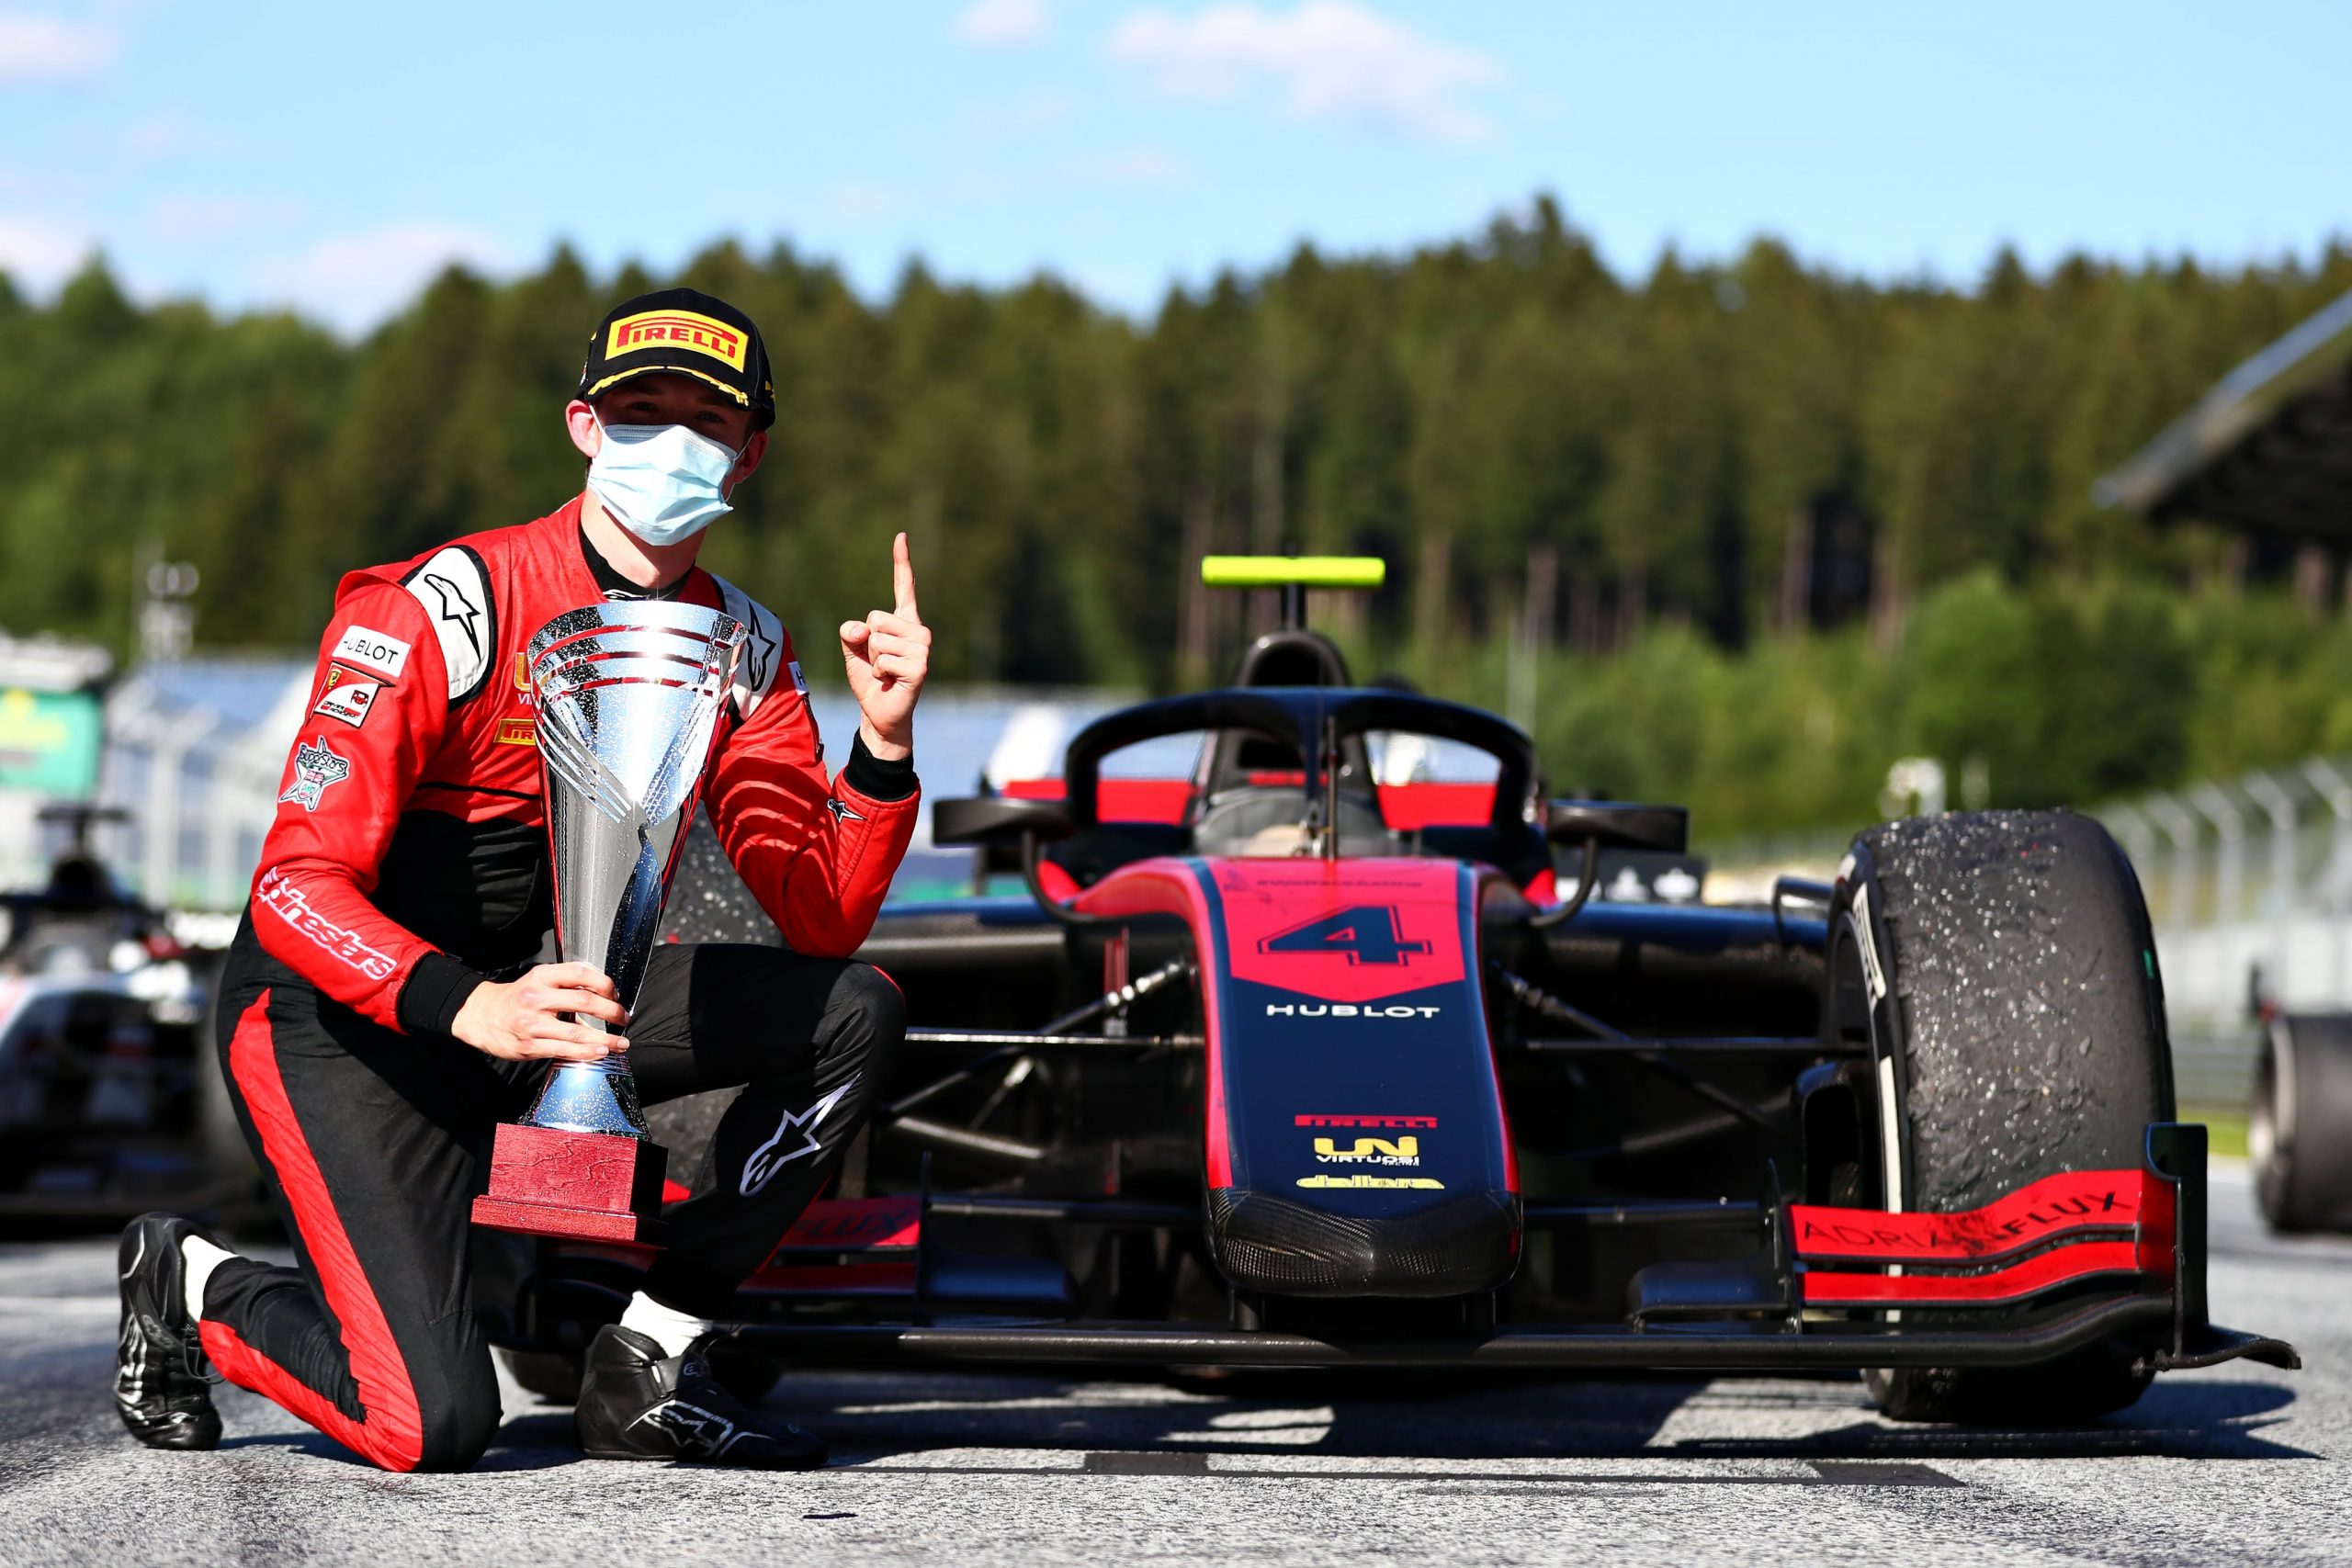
578	1186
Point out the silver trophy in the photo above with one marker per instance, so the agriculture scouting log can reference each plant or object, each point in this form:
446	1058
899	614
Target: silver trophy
629	695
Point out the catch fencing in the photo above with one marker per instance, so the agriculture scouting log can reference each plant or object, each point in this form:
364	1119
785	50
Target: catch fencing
2249	885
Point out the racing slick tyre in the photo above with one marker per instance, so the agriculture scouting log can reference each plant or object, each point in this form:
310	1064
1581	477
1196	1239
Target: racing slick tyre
2299	1133
2001	965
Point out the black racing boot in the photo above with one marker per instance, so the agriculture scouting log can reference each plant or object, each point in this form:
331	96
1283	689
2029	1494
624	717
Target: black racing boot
636	1402
162	1385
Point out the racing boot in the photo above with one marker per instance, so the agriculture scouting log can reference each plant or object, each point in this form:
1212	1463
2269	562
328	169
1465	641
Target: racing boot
162	1385
636	1402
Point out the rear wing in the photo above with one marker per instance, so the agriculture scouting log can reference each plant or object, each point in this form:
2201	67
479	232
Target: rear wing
1293	575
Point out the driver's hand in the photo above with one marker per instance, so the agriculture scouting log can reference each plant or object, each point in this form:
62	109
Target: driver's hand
888	655
520	1020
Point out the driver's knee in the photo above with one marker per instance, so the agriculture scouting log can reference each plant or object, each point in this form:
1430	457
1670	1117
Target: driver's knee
460	1419
866	1012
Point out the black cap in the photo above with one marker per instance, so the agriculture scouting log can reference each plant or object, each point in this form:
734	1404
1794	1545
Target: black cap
685	332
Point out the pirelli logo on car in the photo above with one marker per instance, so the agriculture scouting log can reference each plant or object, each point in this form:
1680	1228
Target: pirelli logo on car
1373	1184
1326	1119
676	329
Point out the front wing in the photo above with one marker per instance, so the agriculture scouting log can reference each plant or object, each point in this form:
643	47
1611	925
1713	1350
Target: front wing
2059	1265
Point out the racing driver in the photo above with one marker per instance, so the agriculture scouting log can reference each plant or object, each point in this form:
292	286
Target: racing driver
383	1006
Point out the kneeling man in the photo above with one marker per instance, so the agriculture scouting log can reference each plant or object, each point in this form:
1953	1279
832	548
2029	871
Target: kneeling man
382	1008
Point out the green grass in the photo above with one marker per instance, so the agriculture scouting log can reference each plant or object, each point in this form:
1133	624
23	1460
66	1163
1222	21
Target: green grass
2225	1129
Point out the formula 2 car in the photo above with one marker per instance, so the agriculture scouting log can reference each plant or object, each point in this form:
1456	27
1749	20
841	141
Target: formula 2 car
2299	1130
107	1107
1315	1049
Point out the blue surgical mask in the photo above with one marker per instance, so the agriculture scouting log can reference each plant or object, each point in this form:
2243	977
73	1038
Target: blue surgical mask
660	481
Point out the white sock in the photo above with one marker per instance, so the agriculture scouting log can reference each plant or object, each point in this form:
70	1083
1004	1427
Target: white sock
666	1326
202	1257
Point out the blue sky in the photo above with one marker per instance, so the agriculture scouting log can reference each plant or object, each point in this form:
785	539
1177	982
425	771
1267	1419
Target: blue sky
331	156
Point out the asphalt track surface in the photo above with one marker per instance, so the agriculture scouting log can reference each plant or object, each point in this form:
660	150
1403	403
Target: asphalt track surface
2238	1464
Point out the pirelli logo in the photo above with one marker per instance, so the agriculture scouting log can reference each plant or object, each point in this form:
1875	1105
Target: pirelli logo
676	329
517	732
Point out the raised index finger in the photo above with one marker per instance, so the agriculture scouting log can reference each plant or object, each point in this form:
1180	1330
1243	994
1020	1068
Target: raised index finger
903	580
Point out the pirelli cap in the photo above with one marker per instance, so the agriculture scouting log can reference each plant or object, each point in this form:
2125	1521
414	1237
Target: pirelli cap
685	332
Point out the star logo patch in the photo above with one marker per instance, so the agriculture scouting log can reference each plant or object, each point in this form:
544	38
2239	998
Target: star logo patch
315	767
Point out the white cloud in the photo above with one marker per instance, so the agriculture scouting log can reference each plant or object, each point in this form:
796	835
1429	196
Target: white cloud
1328	59
1132	166
38	48
353	281
198	220
39	254
997	22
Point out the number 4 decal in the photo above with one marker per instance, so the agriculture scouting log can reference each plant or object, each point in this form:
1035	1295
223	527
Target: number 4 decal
1367	934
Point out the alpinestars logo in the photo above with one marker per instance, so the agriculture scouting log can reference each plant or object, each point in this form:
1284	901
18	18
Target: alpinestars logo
698	1433
781	1150
455	607
841	810
759	655
292	906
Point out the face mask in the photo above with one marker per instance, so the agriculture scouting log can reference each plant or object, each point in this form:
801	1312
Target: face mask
660	481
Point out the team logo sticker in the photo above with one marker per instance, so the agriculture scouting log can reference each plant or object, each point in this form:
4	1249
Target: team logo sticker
348	697
315	767
1403	1150
371	650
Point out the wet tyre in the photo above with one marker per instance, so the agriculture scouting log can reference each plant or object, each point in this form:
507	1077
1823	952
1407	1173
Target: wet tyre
2002	968
2299	1131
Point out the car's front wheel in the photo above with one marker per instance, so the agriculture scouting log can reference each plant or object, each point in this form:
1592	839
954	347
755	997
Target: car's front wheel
2001	965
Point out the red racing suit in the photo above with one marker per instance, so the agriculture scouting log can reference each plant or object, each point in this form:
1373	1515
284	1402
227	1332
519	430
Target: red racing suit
409	860
409	853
